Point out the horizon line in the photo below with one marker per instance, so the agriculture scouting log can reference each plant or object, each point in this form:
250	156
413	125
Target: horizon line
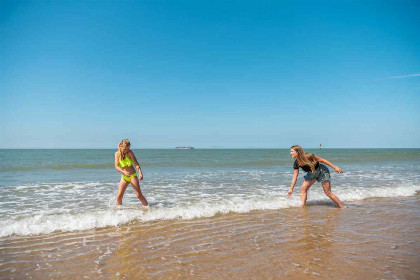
204	148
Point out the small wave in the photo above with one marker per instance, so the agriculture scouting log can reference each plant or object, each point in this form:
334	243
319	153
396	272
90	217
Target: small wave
83	166
58	166
44	224
148	164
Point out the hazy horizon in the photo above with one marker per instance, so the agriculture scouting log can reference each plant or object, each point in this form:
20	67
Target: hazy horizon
218	148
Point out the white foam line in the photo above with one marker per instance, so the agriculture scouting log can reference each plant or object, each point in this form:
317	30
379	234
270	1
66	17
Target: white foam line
43	224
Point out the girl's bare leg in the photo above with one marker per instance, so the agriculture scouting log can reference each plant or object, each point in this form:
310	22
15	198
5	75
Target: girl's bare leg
121	190
136	186
303	192
327	190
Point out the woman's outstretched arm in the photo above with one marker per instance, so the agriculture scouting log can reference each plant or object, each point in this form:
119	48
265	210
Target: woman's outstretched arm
336	168
292	186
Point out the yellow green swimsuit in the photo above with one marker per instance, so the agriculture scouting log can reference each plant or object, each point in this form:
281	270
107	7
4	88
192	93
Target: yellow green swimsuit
124	163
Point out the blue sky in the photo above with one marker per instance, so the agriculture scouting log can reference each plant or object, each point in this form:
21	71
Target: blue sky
211	74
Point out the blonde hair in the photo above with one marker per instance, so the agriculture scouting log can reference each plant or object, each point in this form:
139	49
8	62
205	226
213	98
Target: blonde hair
306	158
123	144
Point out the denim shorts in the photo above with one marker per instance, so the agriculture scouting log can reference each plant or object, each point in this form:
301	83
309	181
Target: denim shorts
322	174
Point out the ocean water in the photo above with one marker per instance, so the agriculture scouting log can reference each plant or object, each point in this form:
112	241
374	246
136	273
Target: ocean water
43	191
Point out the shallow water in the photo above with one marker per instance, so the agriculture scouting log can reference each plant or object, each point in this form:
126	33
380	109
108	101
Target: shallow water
371	239
44	191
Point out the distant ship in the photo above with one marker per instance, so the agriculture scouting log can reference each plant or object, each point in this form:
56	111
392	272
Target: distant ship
184	148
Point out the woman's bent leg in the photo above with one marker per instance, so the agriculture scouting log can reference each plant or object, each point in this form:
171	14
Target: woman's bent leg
327	190
303	192
136	186
121	190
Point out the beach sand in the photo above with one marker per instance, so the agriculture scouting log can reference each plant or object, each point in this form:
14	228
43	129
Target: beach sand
371	239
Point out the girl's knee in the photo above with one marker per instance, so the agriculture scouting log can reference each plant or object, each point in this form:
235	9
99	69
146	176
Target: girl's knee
138	193
328	193
305	189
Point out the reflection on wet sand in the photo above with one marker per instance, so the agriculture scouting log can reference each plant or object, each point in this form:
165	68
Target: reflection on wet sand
315	243
375	239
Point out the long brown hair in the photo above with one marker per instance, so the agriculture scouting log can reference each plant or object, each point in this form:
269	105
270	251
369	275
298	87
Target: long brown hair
120	154
306	158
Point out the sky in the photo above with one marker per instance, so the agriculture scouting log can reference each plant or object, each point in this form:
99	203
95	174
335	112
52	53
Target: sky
210	74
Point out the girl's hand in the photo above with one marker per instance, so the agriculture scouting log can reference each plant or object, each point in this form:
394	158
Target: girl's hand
289	193
338	170
141	176
126	173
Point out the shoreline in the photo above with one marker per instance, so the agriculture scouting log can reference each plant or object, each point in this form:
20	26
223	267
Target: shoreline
370	239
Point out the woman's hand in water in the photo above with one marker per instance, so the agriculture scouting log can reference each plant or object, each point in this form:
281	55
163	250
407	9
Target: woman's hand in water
289	193
141	176
338	169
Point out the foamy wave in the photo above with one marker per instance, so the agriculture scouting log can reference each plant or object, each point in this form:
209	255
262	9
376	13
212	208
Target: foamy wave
44	224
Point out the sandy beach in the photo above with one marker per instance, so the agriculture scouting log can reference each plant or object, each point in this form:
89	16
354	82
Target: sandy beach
371	239
177	139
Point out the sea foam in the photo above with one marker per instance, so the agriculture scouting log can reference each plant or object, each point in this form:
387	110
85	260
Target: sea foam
44	223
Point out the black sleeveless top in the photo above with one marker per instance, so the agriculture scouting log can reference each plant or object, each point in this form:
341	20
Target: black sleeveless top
305	168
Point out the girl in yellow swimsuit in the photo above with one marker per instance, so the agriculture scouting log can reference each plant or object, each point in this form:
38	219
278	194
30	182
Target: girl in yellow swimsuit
124	161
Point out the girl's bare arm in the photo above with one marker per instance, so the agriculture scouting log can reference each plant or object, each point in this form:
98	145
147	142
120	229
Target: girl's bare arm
336	168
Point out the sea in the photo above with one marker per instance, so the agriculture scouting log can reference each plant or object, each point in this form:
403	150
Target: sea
44	191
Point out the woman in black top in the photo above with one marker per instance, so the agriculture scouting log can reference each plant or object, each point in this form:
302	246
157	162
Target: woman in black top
315	172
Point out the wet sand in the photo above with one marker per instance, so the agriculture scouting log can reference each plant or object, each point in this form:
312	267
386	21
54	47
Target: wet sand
371	239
